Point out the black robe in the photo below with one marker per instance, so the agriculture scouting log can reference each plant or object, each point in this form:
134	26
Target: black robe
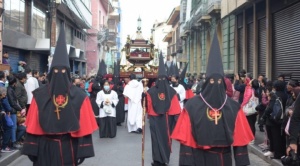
203	143
52	141
120	112
161	128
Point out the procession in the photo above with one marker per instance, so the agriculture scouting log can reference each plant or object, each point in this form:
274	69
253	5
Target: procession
186	82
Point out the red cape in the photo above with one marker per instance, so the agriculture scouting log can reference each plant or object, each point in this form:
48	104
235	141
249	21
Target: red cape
173	110
183	131
87	120
189	94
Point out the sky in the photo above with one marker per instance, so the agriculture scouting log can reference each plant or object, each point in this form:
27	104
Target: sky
148	10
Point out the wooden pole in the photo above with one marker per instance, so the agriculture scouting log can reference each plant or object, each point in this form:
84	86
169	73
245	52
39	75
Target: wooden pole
143	132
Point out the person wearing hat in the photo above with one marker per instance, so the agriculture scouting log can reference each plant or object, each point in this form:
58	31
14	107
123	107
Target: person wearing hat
162	106
133	90
212	123
60	121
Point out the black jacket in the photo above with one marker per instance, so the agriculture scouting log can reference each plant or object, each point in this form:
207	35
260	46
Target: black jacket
266	116
238	86
21	94
13	100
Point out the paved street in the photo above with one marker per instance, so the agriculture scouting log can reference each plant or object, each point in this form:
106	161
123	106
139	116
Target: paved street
125	150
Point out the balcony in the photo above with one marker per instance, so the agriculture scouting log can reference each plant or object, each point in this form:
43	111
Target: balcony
202	14
111	39
81	13
213	6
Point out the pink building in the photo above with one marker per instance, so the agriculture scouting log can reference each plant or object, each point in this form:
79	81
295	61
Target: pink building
96	44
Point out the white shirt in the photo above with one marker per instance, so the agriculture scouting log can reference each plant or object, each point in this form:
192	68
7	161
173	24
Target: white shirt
181	91
30	85
101	98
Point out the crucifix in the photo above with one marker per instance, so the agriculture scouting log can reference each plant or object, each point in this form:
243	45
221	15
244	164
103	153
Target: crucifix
59	102
216	114
57	112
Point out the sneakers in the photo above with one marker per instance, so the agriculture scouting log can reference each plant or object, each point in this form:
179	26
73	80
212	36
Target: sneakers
6	150
17	145
268	154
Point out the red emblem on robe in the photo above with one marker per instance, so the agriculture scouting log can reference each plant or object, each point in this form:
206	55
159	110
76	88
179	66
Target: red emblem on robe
161	96
60	100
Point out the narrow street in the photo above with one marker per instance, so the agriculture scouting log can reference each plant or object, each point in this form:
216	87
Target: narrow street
125	150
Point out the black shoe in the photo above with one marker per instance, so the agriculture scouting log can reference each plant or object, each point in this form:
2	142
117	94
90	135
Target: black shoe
119	124
156	163
139	131
261	129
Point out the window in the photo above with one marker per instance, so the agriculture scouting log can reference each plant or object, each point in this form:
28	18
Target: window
14	15
68	31
38	26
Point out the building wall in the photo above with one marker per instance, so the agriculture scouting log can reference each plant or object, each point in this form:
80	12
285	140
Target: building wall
93	49
160	31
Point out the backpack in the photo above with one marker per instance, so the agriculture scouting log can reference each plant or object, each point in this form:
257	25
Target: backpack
277	113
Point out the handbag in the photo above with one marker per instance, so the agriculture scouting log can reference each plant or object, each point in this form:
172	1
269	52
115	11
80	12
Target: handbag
249	108
8	120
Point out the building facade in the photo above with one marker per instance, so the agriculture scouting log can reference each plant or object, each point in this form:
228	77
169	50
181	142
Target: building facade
159	30
267	36
31	28
200	20
97	35
174	51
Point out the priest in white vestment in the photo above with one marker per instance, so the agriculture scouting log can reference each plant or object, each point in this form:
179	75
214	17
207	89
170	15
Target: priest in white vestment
133	90
107	101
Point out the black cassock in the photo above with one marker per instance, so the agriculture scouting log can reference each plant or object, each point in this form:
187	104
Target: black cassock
161	128
51	141
120	112
96	87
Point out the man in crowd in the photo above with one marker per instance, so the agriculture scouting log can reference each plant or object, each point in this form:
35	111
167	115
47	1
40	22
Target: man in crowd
133	90
30	85
162	106
212	122
59	124
180	90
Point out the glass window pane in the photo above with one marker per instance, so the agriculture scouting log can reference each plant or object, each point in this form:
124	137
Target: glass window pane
15	16
7	13
22	15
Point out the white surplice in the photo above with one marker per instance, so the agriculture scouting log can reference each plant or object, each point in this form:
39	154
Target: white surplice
102	97
133	90
181	91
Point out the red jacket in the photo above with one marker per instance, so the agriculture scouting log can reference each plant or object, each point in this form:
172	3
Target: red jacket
229	90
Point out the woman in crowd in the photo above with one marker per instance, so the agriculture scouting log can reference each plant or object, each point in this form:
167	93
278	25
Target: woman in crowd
107	101
274	129
250	91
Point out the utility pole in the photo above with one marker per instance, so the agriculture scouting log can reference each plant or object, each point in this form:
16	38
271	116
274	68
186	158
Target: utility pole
52	13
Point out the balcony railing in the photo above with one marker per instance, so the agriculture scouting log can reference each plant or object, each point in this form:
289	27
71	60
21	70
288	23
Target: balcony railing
213	6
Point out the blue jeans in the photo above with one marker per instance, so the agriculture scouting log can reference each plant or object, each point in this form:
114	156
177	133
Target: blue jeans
14	128
21	130
6	134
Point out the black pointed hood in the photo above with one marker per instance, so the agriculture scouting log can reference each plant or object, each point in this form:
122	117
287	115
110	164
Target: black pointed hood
182	77
60	56
214	64
176	70
161	67
102	69
214	88
116	73
162	93
183	73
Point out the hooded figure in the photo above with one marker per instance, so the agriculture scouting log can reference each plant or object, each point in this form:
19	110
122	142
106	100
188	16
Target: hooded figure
118	88
60	120
97	86
133	91
162	107
211	123
188	91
